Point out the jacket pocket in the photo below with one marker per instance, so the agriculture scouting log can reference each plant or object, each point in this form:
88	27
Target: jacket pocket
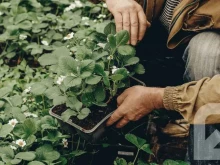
198	22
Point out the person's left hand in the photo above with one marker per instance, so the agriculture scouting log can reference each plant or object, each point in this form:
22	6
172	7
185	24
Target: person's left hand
135	103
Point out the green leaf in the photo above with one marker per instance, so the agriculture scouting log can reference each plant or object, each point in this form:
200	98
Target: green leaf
4	91
88	99
16	100
87	68
48	59
137	141
112	41
120	161
20	17
110	29
35	163
100	71
100	93
170	162
146	148
59	100
83	113
139	69
122	71
71	81
7	154
53	92
51	156
67	114
122	37
29	156
38	89
126	50
132	61
61	52
28	128
117	77
16	161
5	130
73	103
68	65
93	79
25	25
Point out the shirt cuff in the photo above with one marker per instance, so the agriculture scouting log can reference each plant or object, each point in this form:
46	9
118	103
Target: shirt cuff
170	98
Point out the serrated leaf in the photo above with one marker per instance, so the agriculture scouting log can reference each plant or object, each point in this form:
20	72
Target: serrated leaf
83	113
47	59
87	68
126	50
137	141
29	156
139	69
117	77
38	89
68	65
73	103
110	29
132	61
100	93
5	130
59	100
35	163
28	128
53	92
122	37
112	41
93	79
16	161
88	99
4	91
67	114
146	148
71	81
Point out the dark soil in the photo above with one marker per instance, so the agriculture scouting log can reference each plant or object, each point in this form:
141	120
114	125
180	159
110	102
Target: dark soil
98	113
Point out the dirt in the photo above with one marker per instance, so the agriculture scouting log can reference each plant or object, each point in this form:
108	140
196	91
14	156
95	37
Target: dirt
98	113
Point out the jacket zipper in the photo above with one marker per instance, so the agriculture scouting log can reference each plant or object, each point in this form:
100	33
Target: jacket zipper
177	16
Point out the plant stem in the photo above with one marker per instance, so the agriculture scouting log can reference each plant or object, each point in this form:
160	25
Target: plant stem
78	144
43	102
136	156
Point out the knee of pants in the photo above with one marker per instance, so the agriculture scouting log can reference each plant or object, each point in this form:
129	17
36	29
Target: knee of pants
202	56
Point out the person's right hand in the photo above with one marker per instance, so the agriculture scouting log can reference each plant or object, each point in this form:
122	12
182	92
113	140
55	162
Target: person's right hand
130	16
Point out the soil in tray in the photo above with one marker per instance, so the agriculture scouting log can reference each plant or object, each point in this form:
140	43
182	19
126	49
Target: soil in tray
98	113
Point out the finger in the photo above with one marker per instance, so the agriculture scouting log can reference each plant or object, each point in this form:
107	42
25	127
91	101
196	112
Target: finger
126	22
114	117
124	121
134	27
143	25
138	117
118	21
122	97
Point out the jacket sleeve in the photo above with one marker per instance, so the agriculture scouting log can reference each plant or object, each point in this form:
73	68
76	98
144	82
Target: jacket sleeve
194	96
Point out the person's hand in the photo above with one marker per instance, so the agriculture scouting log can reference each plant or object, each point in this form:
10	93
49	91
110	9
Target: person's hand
135	103
130	16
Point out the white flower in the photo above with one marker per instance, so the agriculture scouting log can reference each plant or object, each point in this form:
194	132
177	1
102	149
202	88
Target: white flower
69	36
78	4
45	42
95	20
71	7
86	23
60	79
101	16
1	13
28	114
65	143
22	37
102	45
84	40
110	57
21	143
104	5
27	90
24	100
13	147
85	18
114	69
13	122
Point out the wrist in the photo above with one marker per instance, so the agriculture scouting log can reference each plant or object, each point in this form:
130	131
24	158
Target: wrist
157	98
